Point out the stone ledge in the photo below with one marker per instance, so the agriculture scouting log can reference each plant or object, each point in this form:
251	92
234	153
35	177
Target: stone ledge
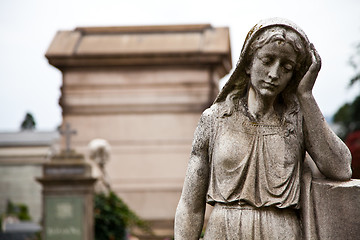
337	208
144	29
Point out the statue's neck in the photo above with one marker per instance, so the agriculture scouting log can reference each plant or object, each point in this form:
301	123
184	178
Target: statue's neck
261	108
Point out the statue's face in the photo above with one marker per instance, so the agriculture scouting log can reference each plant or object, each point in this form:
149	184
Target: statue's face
272	68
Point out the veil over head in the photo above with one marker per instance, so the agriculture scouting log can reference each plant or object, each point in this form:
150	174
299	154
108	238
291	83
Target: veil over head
239	76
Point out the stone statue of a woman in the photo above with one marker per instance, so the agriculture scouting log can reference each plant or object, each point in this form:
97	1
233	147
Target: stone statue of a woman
249	147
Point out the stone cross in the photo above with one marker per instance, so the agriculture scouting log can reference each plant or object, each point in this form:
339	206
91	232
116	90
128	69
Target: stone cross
67	133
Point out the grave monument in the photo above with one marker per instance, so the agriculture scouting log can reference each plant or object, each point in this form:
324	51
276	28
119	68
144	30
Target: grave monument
68	189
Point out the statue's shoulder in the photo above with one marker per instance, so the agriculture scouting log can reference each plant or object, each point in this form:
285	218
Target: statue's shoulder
214	111
209	117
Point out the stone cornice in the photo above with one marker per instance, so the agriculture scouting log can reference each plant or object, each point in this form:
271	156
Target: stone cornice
142	45
144	29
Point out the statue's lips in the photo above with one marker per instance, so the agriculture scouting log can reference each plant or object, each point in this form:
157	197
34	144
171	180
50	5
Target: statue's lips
269	85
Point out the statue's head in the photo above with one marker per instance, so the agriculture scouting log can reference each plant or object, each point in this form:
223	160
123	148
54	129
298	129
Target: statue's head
280	35
265	33
273	59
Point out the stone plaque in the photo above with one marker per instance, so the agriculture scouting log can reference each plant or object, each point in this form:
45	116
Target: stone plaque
64	170
64	218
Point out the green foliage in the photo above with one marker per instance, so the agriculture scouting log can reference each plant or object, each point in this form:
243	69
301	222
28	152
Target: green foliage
113	217
348	116
18	210
343	118
28	123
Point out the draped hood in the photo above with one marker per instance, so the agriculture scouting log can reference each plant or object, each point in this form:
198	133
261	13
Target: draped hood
239	76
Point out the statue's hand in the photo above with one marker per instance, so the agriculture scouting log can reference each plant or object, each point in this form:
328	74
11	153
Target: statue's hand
307	82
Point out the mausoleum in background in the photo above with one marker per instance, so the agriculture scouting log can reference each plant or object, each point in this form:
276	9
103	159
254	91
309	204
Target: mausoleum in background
142	89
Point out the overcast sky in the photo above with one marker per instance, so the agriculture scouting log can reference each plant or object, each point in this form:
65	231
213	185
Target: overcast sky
29	84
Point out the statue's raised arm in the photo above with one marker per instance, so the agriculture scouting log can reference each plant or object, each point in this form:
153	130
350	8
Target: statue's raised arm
330	154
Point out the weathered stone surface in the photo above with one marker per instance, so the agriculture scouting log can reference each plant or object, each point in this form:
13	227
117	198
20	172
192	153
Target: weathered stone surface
336	208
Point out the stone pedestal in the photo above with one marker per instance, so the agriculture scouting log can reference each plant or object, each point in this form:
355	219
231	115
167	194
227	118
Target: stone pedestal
68	190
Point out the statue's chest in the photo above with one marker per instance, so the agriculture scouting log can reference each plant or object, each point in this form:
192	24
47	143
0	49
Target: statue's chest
242	142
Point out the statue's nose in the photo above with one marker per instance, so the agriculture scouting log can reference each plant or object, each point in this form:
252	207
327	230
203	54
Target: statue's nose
274	71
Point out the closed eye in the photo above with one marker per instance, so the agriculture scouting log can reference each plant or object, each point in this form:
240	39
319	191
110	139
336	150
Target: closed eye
266	60
288	67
